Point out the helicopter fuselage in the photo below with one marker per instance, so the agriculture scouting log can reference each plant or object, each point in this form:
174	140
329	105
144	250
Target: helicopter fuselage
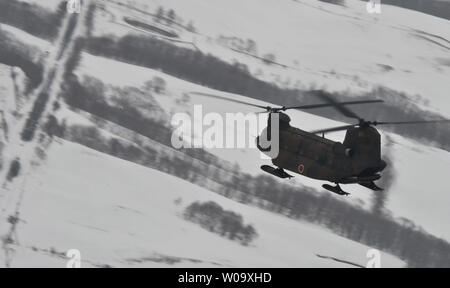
357	160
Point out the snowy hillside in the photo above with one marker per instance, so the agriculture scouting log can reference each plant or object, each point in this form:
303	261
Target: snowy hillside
81	147
114	223
399	48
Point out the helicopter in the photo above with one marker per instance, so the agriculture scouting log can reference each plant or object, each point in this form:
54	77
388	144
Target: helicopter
356	160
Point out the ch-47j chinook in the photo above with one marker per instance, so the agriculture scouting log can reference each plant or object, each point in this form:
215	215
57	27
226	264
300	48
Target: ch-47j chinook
357	160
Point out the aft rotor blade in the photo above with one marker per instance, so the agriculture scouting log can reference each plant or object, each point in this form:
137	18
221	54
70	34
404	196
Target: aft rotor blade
334	129
228	99
411	122
344	110
313	106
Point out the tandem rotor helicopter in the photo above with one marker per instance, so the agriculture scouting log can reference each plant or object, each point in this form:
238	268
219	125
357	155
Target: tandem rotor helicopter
357	160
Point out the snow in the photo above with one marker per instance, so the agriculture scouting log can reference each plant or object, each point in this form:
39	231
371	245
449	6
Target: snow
101	67
7	103
111	221
80	197
325	45
27	38
6	89
420	190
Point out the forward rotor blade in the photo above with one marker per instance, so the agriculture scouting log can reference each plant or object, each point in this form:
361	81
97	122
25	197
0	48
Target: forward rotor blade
313	106
411	122
228	99
301	107
334	129
344	110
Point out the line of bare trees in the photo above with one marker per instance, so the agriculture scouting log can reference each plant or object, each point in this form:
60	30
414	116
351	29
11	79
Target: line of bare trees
32	18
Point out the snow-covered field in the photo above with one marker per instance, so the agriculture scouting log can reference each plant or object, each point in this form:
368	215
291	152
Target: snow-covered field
121	214
114	223
27	38
325	45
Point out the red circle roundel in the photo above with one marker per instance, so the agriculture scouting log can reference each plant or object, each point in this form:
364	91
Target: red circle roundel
301	168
